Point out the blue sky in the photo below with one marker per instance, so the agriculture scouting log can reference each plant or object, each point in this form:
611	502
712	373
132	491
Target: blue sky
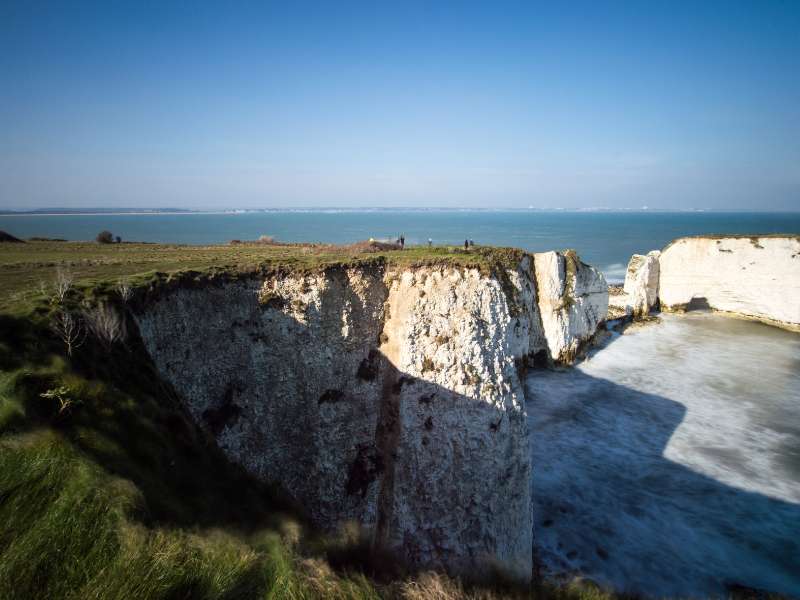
496	104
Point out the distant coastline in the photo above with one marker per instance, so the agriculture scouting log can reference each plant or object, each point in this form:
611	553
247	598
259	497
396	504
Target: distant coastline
99	211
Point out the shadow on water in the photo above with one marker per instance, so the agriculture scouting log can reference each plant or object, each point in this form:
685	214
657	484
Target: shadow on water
608	504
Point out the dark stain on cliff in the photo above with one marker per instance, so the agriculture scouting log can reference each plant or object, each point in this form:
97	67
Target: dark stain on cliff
369	368
495	425
426	399
226	413
429	423
366	468
331	396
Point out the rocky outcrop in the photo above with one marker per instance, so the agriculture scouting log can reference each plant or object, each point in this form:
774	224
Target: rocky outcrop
754	276
641	283
384	395
572	300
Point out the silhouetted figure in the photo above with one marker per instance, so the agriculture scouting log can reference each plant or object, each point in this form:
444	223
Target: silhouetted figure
402	241
466	245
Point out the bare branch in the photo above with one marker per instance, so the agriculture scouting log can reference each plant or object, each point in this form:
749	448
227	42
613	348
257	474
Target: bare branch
69	329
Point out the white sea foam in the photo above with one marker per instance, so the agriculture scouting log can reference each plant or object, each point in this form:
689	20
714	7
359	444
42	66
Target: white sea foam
669	462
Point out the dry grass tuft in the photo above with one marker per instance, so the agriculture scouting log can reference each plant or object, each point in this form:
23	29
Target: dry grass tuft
435	586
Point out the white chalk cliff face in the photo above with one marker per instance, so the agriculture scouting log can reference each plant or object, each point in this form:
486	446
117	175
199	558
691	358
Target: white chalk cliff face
388	396
757	277
573	300
641	283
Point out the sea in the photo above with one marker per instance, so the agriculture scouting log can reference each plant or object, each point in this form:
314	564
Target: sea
603	239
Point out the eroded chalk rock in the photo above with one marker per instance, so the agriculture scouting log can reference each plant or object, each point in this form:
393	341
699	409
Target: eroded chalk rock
752	276
641	283
572	299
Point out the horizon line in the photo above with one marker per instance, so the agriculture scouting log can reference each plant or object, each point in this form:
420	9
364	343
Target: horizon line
100	210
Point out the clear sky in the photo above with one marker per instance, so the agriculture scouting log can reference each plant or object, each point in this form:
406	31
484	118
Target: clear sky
152	104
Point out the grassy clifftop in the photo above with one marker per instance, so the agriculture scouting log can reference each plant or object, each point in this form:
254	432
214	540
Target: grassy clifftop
24	266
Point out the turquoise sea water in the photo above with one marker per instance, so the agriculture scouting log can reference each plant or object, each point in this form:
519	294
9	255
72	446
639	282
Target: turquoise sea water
605	239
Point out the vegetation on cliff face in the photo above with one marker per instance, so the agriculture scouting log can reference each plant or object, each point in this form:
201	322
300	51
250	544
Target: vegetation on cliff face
109	490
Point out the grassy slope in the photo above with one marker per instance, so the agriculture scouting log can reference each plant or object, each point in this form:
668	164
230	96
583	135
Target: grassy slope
120	495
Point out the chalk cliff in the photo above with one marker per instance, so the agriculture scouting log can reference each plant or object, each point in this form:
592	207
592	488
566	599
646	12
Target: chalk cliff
752	276
573	300
381	394
641	283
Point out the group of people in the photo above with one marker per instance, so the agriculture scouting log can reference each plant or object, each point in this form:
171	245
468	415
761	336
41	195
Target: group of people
401	241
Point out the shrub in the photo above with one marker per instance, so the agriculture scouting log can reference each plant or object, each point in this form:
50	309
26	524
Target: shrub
106	324
105	237
124	290
62	394
62	285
